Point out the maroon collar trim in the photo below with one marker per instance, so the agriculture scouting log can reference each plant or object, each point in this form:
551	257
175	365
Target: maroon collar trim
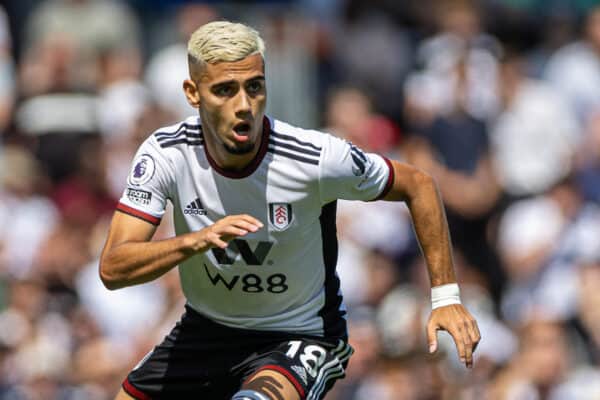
253	165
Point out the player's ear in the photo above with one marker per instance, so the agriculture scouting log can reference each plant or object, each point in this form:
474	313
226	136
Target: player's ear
191	93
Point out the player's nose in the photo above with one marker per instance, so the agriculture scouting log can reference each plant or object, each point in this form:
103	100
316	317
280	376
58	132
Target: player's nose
242	103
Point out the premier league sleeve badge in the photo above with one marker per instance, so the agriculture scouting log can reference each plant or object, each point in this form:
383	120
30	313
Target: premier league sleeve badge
143	170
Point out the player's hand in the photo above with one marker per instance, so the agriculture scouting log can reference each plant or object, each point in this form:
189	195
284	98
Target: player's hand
458	322
228	228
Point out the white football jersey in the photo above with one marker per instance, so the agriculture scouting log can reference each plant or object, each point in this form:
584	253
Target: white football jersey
282	277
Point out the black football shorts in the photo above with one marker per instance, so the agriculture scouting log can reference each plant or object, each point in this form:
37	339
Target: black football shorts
201	359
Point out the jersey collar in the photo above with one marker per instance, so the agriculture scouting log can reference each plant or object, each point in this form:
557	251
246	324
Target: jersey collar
253	165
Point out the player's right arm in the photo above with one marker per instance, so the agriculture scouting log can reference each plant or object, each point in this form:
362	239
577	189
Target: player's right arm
130	257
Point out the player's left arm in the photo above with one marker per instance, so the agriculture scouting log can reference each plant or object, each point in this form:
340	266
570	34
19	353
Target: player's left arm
421	194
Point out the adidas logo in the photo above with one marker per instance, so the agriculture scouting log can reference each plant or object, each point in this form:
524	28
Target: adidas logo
301	372
195	208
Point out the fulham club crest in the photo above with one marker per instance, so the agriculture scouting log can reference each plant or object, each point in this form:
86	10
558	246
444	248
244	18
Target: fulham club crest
280	215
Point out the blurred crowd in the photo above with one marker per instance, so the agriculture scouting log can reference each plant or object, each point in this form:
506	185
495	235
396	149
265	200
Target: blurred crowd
499	100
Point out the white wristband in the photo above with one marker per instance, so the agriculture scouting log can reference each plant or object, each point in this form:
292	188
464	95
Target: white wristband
444	295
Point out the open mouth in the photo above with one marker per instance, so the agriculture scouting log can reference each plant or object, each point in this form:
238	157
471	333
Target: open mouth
242	129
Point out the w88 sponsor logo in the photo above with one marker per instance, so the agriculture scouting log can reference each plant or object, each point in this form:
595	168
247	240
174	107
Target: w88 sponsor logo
239	250
250	283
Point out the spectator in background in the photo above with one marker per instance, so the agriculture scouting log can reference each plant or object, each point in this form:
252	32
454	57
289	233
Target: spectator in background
556	31
528	231
53	64
74	35
410	377
545	367
350	115
119	107
22	207
83	200
121	94
358	246
79	75
454	148
96	28
574	70
127	317
534	138
432	91
373	53
36	357
292	66
544	241
75	50
95	369
166	88
579	240
399	333
94	24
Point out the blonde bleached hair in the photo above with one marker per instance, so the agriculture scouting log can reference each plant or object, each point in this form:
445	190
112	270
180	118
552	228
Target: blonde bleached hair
223	41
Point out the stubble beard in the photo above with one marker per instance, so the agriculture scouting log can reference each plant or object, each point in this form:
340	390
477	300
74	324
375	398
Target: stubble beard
241	150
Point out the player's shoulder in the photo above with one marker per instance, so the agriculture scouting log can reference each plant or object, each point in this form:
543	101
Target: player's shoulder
304	145
160	147
187	132
315	137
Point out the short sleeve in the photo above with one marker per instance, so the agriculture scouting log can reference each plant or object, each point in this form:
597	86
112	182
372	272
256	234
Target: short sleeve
148	184
347	172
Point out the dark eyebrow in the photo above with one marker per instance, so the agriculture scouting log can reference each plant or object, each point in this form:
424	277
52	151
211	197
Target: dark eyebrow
224	83
233	81
257	78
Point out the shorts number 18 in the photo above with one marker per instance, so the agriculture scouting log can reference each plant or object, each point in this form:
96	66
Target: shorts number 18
312	358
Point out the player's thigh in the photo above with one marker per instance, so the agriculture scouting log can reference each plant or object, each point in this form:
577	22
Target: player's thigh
274	384
122	395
